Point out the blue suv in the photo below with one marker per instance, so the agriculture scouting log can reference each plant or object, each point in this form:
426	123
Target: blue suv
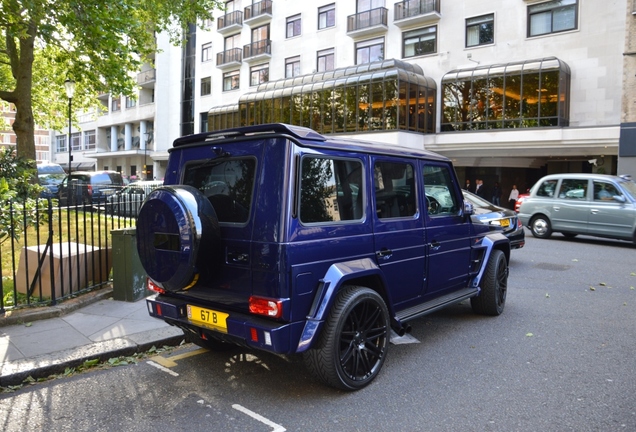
280	239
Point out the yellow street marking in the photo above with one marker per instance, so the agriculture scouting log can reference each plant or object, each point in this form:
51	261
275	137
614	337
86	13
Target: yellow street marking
171	361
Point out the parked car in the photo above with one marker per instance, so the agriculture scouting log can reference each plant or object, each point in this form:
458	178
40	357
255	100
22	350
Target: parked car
50	175
520	199
127	201
280	239
89	187
499	218
592	204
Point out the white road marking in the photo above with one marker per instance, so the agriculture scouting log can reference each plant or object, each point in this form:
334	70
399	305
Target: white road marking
165	369
260	418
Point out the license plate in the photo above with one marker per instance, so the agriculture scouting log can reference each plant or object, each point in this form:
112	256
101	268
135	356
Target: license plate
505	223
208	318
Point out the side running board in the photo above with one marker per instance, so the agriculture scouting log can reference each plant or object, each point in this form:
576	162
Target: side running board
435	304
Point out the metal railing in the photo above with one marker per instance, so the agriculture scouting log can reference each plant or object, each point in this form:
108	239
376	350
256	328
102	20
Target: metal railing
370	18
260	8
229	56
411	8
257	48
233	18
65	252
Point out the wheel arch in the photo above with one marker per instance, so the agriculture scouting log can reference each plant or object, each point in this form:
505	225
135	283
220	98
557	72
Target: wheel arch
494	241
363	272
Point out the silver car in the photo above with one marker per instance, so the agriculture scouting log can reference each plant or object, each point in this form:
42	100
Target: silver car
127	201
591	204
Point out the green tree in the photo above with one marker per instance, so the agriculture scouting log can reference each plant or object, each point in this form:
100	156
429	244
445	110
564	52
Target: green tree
97	43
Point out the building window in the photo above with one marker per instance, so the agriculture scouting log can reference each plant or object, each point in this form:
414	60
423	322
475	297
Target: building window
233	41
292	67
325	60
370	51
206	52
89	140
60	144
204	122
552	17
293	26
130	102
76	141
116	104
327	16
231	80
206	86
480	30
419	42
259	74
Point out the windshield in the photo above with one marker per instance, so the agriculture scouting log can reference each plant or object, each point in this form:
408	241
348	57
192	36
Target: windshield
51	179
630	187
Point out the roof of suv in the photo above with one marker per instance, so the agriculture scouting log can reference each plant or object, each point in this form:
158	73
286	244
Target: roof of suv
302	135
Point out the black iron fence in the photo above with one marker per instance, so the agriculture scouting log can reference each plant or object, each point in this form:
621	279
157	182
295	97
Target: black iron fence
63	251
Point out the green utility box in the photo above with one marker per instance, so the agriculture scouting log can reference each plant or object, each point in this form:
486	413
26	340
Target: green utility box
129	277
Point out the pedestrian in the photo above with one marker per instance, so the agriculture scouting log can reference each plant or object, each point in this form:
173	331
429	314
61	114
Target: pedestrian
514	195
496	194
468	186
480	189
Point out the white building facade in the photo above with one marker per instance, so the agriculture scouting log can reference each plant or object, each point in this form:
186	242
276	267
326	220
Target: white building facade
509	89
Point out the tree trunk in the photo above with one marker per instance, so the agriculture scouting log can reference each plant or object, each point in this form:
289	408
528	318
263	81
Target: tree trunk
24	125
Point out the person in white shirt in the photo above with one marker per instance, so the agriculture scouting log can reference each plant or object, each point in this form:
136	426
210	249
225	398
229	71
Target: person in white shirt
514	195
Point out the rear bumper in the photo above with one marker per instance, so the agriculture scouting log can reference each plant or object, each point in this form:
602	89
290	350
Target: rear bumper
242	329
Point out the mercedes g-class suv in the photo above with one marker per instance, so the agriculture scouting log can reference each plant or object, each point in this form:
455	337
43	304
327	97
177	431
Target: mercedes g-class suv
280	239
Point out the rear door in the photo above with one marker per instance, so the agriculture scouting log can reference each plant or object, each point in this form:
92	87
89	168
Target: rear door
571	208
398	228
448	231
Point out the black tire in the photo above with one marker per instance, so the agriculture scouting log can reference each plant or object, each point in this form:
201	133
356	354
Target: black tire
541	227
178	237
569	235
494	287
211	343
354	342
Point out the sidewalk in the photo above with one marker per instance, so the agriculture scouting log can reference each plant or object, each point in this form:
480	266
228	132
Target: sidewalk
44	341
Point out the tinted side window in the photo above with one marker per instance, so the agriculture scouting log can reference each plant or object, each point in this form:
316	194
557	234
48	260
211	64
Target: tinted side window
438	187
331	190
394	190
575	189
547	188
228	184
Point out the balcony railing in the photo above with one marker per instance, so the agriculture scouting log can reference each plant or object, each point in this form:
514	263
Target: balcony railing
229	21
367	19
258	9
232	56
259	49
146	76
411	8
416	12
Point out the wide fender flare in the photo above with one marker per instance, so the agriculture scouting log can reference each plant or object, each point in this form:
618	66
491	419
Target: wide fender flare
335	278
490	242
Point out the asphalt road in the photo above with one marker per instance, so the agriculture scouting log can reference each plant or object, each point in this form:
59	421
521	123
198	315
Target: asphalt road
560	358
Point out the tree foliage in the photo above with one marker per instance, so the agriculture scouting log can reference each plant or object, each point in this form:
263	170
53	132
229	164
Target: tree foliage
97	43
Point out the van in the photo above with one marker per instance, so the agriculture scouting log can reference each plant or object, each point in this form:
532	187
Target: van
50	175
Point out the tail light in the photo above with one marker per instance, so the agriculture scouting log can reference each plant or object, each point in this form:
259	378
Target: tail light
90	189
271	308
154	287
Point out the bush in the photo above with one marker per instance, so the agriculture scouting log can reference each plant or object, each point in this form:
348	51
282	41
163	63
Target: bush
19	193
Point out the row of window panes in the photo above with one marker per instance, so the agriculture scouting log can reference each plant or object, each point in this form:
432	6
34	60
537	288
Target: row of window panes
357	107
116	103
538	98
76	140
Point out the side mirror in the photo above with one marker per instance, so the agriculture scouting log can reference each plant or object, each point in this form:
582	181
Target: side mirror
468	208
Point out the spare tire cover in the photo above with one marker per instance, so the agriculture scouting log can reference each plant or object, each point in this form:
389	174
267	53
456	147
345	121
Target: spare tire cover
177	236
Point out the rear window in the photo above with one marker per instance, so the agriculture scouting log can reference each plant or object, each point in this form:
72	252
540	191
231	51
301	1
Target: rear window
227	183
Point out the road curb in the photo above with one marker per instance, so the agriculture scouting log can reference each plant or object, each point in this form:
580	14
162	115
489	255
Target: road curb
15	373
